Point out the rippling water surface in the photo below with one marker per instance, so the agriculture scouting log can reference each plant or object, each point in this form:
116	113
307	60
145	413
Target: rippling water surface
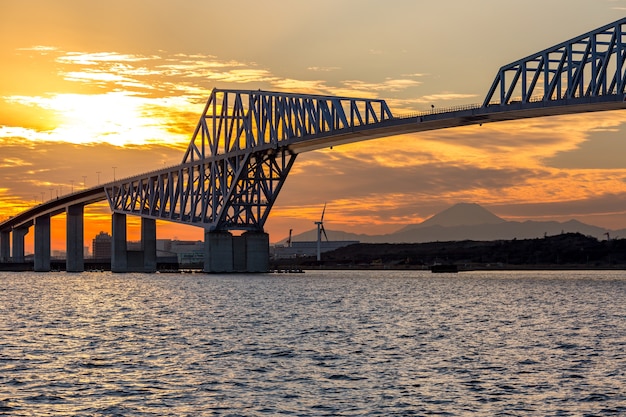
321	343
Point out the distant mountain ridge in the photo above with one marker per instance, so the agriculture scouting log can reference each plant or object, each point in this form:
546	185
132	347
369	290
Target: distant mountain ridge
468	221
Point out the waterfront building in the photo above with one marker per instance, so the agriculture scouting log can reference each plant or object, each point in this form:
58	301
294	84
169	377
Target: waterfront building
101	246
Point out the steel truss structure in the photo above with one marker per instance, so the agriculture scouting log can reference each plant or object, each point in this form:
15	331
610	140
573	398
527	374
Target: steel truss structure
246	141
589	65
239	158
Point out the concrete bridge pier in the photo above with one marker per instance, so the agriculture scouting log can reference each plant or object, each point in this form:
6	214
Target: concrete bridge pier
123	260
224	253
119	259
5	246
42	243
75	239
257	251
148	244
18	244
218	252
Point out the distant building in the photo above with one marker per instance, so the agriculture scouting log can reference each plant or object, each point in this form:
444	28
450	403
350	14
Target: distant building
187	252
164	245
101	246
309	248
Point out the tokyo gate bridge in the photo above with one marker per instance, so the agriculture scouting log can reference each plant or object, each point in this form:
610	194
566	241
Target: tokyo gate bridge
247	141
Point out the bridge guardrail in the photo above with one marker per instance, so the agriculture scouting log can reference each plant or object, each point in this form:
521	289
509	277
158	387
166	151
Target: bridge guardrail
463	107
438	110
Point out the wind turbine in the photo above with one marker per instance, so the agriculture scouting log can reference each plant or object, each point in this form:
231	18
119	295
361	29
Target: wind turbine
320	230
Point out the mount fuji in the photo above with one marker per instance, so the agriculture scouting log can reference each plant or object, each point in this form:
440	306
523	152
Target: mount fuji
468	221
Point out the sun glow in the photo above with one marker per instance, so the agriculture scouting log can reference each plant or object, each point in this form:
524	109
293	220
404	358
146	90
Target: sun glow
118	118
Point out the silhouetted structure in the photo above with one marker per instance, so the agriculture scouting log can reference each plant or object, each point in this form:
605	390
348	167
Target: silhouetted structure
101	246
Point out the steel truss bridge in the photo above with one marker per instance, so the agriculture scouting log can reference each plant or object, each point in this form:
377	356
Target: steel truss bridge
247	141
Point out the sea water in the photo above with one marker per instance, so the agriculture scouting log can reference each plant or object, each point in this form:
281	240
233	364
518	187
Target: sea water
347	343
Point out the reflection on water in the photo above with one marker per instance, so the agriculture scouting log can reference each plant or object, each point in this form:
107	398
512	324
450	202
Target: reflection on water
320	343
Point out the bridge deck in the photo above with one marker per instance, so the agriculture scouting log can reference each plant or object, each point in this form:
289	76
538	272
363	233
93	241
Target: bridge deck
473	116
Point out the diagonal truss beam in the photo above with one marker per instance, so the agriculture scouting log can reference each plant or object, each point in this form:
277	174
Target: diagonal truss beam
229	193
589	65
245	120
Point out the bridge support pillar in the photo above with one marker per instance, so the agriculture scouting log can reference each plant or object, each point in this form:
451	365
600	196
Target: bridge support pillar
18	244
123	260
218	252
5	245
239	254
119	257
75	239
148	244
257	251
249	252
42	243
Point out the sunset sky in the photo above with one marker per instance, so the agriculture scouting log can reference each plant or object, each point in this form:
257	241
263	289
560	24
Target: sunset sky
89	90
